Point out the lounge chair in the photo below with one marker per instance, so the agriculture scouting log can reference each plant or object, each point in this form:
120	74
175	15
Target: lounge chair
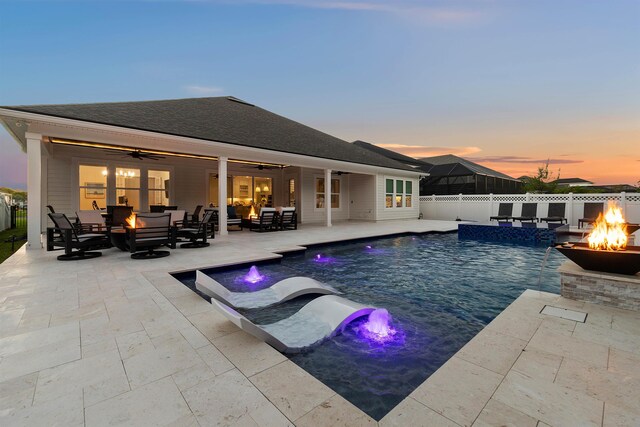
92	222
504	212
287	218
282	291
51	210
266	221
152	230
233	218
322	318
555	213
194	234
529	213
591	212
77	245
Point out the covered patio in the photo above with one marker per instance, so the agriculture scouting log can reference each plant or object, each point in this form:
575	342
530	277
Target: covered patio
205	151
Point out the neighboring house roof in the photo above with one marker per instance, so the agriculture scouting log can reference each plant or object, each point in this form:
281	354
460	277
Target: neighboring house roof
221	119
571	181
449	164
391	154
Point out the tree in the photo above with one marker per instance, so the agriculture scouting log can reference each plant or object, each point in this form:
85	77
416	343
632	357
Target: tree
541	181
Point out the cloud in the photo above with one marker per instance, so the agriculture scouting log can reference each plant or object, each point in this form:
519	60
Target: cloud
522	160
203	90
419	151
413	9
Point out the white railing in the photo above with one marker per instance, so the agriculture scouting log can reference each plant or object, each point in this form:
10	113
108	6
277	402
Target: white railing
479	207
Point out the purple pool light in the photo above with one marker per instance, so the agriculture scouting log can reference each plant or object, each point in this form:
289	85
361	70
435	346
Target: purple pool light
368	247
253	276
377	328
323	259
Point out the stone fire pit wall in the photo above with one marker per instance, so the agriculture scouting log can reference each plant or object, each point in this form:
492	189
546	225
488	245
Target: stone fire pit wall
613	290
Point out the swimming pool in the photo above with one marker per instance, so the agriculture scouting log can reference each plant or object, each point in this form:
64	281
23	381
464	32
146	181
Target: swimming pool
440	292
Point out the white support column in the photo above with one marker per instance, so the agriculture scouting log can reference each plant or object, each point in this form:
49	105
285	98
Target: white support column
34	190
327	195
570	210
222	196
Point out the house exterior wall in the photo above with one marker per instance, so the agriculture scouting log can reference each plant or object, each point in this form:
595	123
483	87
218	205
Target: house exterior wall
362	197
384	213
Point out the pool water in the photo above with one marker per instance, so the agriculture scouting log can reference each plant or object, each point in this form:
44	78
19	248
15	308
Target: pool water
440	292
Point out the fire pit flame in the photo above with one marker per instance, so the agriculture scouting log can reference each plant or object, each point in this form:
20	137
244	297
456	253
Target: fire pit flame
610	231
131	220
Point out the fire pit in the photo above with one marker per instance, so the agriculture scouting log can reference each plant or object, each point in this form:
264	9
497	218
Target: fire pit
621	262
607	248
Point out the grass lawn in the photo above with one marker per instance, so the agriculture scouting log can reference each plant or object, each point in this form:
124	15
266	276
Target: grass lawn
5	248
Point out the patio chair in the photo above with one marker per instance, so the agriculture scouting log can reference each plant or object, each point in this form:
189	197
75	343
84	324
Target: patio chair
152	230
504	212
198	233
177	217
95	206
51	210
233	218
266	221
76	245
529	213
287	218
591	212
555	213
92	221
195	216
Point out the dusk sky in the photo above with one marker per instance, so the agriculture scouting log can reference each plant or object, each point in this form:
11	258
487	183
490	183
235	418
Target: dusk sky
504	83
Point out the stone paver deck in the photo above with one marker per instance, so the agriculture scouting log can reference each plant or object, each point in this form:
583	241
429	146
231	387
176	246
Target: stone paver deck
114	341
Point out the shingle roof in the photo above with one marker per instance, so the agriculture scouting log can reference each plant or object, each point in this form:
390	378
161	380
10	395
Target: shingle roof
391	154
570	181
449	161
222	119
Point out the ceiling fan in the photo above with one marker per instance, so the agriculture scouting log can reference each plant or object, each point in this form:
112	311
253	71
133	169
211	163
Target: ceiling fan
140	155
263	167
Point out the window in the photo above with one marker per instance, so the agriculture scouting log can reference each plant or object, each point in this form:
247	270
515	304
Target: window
292	192
398	193
128	187
159	187
389	193
335	193
93	186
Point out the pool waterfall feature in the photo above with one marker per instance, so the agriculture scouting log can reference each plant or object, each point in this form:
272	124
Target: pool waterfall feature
438	291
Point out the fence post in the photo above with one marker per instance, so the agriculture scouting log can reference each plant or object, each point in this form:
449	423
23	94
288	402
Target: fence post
13	216
490	204
527	197
623	203
459	205
570	213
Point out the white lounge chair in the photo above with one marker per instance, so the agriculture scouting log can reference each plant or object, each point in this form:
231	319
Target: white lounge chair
282	291
322	318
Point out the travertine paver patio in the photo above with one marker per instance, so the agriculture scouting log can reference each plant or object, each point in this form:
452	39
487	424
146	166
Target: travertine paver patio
113	341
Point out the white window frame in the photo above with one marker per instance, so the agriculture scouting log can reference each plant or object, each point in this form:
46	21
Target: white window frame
315	194
111	166
393	194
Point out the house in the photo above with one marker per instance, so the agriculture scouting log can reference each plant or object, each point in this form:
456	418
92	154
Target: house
201	151
571	182
451	174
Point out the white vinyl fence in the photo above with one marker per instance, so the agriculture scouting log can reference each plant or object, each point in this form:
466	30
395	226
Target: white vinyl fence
479	207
